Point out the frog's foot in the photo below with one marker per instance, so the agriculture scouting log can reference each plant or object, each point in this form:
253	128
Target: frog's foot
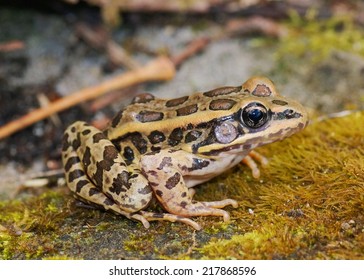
194	209
250	161
140	218
150	216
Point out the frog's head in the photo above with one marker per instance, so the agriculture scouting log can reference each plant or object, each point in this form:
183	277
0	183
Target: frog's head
261	116
269	115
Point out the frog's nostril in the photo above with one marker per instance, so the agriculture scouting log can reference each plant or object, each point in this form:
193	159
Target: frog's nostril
289	113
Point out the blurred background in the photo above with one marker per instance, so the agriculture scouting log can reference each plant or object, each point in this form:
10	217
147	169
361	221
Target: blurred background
50	51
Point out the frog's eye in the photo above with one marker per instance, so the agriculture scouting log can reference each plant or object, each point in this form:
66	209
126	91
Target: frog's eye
254	115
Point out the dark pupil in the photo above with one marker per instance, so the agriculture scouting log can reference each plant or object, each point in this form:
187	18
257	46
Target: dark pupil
255	116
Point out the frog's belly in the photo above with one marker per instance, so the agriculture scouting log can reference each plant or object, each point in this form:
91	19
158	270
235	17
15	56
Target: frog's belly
215	168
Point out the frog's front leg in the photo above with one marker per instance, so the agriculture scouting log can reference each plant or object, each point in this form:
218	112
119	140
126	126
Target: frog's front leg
97	174
165	172
250	159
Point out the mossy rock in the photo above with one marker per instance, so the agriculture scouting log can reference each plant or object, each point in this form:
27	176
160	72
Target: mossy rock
307	204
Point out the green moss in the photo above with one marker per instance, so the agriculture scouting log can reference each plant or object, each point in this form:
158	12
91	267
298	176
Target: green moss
307	204
137	243
315	39
28	226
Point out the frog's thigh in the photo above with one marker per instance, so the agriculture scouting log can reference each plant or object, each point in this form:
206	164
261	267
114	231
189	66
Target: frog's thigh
80	184
170	189
97	173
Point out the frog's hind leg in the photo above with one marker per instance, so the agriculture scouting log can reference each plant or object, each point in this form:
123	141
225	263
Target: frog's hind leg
96	173
86	192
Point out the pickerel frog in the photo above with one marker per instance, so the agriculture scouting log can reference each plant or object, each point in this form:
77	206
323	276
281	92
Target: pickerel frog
160	149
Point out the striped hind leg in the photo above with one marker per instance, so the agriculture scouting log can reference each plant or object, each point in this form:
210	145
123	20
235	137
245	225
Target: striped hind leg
97	173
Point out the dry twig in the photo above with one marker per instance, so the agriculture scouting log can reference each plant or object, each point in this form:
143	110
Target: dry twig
256	24
192	48
111	98
44	102
157	70
12	46
99	38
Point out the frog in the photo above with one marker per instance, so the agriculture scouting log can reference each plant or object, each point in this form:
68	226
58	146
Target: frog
156	151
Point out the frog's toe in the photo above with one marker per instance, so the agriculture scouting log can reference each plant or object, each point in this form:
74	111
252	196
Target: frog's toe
150	216
189	222
221	203
226	216
249	161
259	158
142	219
231	202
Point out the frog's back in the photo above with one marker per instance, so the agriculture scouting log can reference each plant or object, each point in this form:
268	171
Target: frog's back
147	112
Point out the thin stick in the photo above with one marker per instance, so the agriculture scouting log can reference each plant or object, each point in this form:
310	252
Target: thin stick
157	70
12	46
192	48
